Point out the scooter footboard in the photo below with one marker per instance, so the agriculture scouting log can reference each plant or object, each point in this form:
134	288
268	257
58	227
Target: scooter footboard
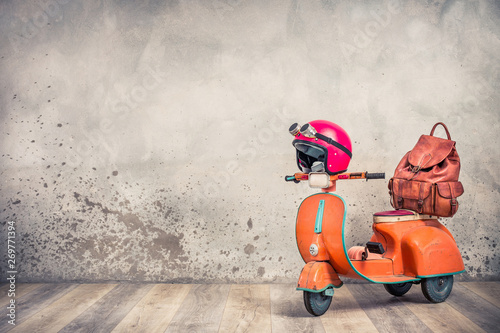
318	276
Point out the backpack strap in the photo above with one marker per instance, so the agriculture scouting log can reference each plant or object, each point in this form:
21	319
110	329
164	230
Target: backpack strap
420	198
400	196
453	200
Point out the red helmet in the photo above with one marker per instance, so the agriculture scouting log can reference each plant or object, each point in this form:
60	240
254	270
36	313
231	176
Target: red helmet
321	146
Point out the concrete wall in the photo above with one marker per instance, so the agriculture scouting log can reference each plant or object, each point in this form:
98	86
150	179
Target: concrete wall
147	140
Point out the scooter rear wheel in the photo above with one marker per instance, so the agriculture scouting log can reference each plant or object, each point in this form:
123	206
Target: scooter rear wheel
398	289
316	303
437	289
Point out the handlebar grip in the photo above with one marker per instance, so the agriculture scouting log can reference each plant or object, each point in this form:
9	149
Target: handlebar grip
291	179
376	175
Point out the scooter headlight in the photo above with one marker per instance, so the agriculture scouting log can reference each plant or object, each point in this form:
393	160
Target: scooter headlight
313	250
319	180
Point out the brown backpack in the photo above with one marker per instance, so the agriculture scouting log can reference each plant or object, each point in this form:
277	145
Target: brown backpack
426	179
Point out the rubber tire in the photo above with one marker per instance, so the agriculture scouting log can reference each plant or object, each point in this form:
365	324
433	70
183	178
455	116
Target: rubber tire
437	289
398	289
317	303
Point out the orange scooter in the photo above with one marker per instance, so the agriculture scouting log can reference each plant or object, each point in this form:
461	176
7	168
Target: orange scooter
406	248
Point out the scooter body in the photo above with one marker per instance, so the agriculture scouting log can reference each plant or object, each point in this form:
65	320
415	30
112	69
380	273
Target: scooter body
406	248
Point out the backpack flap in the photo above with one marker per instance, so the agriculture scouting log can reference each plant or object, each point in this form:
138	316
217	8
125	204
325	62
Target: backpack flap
430	151
411	195
450	190
446	203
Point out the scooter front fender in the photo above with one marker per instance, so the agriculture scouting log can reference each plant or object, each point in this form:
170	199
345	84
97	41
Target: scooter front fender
317	276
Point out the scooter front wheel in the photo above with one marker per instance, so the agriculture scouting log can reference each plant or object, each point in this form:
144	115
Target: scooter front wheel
317	303
437	289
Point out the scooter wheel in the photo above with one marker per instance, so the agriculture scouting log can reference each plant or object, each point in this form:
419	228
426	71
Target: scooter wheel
316	303
437	289
398	289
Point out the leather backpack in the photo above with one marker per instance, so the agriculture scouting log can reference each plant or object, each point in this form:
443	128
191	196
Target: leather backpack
426	179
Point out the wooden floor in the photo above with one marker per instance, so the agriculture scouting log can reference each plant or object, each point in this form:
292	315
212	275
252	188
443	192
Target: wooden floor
472	307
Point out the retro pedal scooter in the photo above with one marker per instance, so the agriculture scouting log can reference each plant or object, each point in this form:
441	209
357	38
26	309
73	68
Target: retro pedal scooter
406	248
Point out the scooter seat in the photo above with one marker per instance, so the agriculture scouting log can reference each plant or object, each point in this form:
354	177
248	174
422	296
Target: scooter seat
400	215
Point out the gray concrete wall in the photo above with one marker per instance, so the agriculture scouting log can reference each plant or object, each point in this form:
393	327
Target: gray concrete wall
147	140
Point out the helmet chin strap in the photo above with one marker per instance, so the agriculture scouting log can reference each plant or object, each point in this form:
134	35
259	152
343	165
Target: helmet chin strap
303	166
318	167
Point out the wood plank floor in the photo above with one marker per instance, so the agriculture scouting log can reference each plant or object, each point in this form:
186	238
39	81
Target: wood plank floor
471	307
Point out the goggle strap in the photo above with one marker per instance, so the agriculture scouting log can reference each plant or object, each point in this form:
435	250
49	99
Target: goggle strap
334	143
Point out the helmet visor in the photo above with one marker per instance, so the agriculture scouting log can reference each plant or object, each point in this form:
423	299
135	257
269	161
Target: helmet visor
314	151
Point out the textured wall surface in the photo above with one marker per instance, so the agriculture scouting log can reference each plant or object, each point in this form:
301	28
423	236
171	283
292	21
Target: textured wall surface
147	140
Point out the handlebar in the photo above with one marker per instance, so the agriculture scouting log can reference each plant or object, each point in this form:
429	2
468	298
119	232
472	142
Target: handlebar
298	177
